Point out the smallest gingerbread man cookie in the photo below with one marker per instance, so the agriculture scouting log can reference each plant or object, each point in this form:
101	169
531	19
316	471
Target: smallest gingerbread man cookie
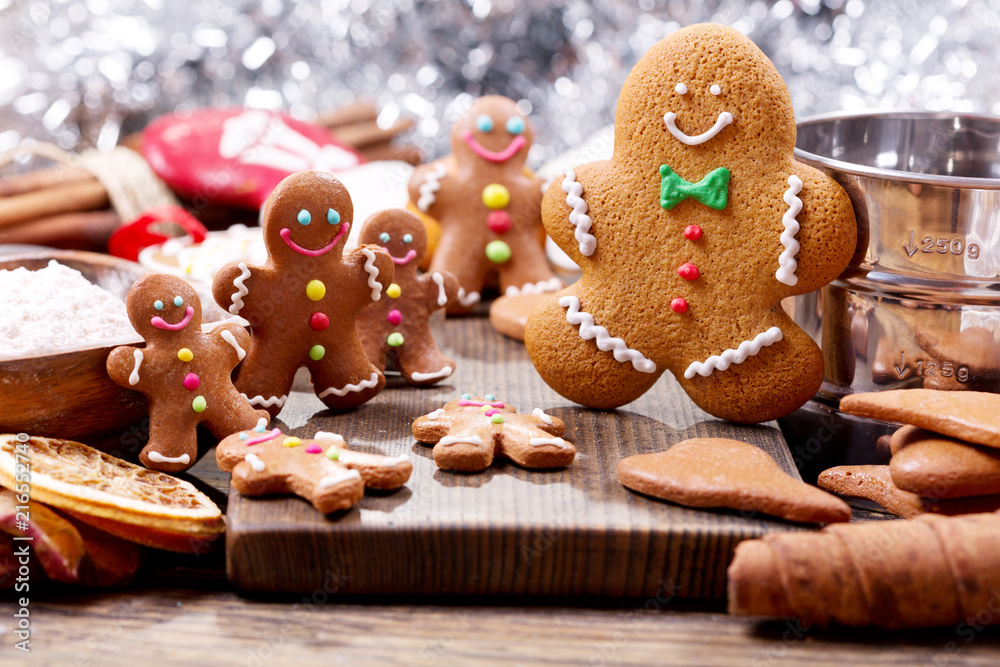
468	433
398	327
184	372
322	470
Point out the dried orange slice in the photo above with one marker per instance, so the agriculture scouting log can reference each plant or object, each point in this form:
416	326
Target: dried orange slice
123	499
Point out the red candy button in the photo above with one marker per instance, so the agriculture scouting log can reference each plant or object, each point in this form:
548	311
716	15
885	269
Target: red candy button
679	305
395	317
191	381
688	271
692	232
499	221
319	322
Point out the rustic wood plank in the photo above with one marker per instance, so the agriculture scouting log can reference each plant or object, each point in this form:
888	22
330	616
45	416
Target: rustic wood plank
507	531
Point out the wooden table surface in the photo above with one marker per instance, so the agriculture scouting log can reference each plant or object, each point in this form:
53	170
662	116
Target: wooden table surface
181	610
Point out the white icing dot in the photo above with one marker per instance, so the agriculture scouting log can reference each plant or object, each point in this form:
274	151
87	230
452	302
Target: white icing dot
680	89
715	90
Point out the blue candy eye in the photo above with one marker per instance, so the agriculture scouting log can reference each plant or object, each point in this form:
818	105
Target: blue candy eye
383	237
304	217
484	123
158	304
178	301
490	397
466	396
332	217
515	125
407	238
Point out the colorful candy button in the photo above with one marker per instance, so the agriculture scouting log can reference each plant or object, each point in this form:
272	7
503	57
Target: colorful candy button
292	441
679	305
688	271
498	221
191	381
394	291
333	454
394	317
319	321
185	354
496	196
314	449
317	352
395	339
315	290
692	232
498	252
199	404
496	419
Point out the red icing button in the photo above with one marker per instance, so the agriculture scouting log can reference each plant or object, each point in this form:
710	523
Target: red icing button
191	381
688	271
394	317
499	221
692	232
679	305
319	322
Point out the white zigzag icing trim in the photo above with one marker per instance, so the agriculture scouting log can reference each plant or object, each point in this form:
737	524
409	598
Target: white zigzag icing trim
538	442
460	440
254	462
352	388
439	281
747	348
338	477
266	402
786	261
541	287
431	184
443	373
578	216
133	379
372	274
228	336
588	331
242	290
467	300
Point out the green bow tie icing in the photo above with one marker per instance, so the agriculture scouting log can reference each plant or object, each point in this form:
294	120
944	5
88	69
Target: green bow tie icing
712	191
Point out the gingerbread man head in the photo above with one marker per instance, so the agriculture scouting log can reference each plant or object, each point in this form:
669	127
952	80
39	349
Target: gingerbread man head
399	233
307	217
494	131
163	308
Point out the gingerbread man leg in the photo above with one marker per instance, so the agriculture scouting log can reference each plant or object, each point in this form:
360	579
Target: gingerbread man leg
527	271
266	376
536	446
471	450
420	361
351	382
170	427
233	414
454	257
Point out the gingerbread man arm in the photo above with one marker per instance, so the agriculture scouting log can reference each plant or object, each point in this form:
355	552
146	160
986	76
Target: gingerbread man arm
426	184
440	286
237	341
230	287
125	367
374	268
566	214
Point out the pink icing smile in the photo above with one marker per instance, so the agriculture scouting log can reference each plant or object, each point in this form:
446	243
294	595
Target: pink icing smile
465	402
264	438
405	259
286	236
513	147
161	323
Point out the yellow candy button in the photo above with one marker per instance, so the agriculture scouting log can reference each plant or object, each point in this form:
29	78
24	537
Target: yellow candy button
315	290
394	291
292	442
496	196
185	354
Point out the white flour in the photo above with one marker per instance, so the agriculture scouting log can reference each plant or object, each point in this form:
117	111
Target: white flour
56	307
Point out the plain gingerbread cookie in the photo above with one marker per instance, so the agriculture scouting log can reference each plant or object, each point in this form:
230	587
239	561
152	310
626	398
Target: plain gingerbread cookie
398	326
184	373
303	303
690	237
488	207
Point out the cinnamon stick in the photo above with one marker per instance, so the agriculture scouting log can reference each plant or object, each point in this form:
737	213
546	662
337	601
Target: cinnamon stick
355	112
390	151
360	135
86	230
42	178
66	198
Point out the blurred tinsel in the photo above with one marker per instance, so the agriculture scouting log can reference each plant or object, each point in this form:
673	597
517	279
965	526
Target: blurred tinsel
86	72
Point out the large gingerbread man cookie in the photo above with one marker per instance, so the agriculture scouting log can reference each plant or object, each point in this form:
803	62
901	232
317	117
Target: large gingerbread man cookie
184	372
302	304
690	236
398	326
488	207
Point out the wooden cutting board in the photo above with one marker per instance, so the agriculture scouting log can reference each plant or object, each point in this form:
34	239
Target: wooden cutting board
506	531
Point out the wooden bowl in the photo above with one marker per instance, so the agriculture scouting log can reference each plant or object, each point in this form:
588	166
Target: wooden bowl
66	392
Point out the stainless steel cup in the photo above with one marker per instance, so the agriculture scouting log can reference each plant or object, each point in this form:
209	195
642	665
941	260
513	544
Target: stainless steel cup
920	306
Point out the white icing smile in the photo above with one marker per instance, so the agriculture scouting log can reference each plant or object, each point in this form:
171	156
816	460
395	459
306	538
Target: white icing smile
725	118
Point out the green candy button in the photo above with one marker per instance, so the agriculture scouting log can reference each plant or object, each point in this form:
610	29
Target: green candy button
497	252
199	404
317	352
395	339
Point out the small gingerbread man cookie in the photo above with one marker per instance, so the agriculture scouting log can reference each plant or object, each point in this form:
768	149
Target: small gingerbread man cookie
184	373
322	470
398	326
303	303
488	207
468	433
690	236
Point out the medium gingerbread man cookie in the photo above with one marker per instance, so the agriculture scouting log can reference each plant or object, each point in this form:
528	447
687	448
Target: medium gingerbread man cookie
302	304
689	237
322	470
184	372
398	326
468	433
488	207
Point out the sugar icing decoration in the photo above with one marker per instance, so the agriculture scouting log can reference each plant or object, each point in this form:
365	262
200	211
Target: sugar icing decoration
133	378
156	457
372	271
435	375
539	442
787	265
681	89
588	331
255	462
712	190
161	323
430	186
241	289
670	118
541	287
273	401
470	439
258	439
542	416
578	216
715	90
467	300
338	477
370	383
231	339
747	348
434	416
439	281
